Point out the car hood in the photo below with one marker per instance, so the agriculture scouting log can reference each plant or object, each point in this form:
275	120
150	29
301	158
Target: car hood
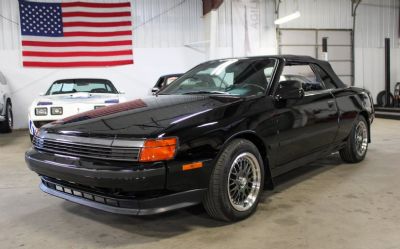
76	98
141	117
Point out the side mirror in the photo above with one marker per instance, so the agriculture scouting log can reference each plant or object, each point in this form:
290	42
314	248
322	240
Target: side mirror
289	89
42	94
154	90
121	92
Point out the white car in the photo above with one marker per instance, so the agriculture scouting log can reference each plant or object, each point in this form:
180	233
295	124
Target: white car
6	114
69	97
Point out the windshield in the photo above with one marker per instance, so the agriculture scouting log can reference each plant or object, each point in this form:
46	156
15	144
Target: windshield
81	85
242	77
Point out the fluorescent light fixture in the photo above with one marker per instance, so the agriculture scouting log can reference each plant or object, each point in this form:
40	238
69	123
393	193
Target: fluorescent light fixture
287	18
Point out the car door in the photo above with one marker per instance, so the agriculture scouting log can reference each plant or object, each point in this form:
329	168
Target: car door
308	125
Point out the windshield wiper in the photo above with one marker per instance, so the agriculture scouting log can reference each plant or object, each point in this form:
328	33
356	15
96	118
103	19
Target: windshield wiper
205	92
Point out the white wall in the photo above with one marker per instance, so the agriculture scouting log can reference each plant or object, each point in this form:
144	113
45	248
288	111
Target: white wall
171	36
376	20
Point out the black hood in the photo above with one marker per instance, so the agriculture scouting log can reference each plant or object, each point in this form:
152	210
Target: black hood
142	117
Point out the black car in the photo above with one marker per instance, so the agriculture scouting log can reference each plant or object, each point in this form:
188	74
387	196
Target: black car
217	135
164	81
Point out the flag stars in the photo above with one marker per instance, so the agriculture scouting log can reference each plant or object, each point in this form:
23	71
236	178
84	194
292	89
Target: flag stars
41	19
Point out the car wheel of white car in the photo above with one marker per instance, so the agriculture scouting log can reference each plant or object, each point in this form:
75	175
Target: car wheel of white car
7	124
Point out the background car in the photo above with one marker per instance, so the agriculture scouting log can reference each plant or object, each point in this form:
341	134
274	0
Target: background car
69	97
164	81
6	114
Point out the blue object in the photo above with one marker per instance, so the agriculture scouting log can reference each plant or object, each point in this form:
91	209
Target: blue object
44	103
41	19
112	101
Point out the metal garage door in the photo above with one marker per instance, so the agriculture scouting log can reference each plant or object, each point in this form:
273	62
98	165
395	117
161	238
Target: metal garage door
309	42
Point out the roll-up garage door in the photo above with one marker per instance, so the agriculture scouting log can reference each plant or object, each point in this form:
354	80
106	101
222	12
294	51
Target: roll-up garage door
309	42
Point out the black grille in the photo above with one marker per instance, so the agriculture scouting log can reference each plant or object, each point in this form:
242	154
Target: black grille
82	193
86	150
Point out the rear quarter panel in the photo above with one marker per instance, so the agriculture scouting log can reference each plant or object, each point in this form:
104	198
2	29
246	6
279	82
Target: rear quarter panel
351	102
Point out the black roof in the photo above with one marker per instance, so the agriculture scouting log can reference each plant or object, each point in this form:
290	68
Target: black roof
288	58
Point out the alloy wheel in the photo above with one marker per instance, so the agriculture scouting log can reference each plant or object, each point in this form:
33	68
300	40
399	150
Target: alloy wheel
361	138
244	181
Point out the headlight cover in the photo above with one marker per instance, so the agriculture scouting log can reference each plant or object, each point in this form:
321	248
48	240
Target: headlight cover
41	111
56	111
158	149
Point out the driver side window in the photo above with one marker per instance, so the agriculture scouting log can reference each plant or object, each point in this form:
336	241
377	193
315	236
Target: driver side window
304	74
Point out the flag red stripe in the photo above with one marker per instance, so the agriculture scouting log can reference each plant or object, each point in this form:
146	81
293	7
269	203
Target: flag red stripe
75	44
97	34
95	5
95	14
77	53
97	24
77	64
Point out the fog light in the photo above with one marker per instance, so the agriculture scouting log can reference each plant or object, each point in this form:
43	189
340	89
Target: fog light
56	111
41	111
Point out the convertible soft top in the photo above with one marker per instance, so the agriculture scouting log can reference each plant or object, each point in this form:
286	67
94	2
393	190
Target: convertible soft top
299	59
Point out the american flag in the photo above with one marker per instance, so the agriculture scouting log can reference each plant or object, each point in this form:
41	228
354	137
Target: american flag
76	34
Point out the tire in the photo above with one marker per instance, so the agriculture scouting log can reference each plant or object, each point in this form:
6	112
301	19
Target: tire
357	142
381	99
227	177
7	125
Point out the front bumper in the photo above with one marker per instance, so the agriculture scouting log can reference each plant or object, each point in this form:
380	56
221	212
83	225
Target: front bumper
118	187
124	176
119	205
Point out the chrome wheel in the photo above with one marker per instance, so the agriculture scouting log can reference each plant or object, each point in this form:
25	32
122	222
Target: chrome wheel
361	138
244	181
9	117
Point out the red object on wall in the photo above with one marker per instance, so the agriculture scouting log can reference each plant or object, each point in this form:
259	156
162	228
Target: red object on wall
209	5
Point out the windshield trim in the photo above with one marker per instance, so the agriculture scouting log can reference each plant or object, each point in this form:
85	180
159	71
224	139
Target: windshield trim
74	81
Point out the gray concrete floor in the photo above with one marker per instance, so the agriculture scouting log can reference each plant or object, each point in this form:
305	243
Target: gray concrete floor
328	204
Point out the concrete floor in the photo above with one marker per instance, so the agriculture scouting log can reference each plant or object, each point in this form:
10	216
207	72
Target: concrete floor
325	205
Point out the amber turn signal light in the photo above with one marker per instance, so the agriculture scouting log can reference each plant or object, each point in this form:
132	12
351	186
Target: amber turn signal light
158	150
191	166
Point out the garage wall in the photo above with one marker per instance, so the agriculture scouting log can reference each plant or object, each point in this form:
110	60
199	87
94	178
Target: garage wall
236	36
172	36
161	30
376	19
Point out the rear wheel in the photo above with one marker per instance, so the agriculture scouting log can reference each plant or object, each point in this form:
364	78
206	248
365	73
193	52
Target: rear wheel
7	124
236	182
357	143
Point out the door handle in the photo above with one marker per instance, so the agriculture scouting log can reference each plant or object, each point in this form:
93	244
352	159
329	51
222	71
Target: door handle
331	103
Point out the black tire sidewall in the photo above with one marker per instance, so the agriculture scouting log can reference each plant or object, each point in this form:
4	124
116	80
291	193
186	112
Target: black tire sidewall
228	210
9	110
4	126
